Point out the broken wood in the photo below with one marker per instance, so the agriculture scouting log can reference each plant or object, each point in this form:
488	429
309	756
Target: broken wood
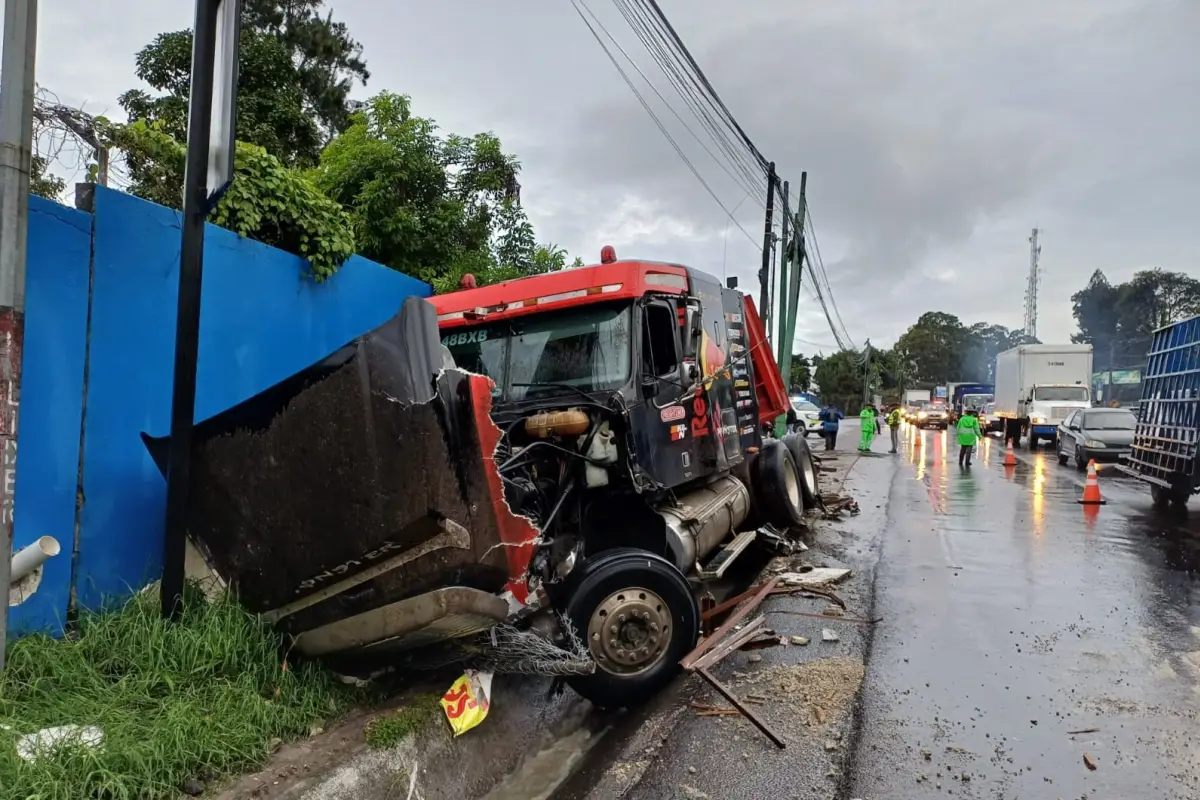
1083	730
858	620
1089	762
730	644
725	692
707	644
816	577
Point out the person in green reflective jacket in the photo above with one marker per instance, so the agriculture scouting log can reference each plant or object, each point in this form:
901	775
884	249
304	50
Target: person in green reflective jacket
867	415
968	434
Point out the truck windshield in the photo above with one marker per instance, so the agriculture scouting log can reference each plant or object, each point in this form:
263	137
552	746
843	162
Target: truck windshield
586	348
976	400
1062	394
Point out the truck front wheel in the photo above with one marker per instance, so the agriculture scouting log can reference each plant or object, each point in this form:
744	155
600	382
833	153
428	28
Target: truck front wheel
638	616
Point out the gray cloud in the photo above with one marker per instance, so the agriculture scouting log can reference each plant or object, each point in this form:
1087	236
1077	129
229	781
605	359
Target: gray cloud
935	134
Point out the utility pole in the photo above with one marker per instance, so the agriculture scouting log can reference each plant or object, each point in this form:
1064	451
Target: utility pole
207	174
1031	288
781	292
793	288
16	155
867	374
764	272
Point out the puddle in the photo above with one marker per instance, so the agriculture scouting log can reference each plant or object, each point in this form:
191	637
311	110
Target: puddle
542	772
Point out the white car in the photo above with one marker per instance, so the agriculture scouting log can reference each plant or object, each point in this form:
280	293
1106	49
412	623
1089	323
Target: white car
807	417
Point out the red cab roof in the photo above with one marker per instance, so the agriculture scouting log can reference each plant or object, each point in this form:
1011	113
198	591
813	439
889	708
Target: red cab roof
567	287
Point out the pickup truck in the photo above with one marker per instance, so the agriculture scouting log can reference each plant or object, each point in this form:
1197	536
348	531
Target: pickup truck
1167	435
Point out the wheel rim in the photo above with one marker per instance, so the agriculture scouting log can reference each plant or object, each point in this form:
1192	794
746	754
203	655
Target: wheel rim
629	631
810	477
792	485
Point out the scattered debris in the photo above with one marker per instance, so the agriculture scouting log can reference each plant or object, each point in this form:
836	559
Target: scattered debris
833	611
725	692
815	577
829	636
754	658
813	615
800	640
467	701
1089	762
1083	730
831	745
825	688
48	740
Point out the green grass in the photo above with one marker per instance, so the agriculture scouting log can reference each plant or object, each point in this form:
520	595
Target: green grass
387	731
200	699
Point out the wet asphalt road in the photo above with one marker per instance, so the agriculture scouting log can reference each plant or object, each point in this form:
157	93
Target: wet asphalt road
1014	616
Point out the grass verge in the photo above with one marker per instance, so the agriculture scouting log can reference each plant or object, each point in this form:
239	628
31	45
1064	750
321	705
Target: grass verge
388	731
197	700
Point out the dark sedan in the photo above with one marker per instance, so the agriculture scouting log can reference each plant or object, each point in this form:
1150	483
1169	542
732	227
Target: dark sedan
1103	434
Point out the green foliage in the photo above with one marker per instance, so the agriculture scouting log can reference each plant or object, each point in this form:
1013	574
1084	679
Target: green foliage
800	374
296	69
268	201
840	379
939	349
42	183
278	206
418	203
199	699
1118	320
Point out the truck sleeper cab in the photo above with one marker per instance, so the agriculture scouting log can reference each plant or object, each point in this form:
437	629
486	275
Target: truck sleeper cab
632	398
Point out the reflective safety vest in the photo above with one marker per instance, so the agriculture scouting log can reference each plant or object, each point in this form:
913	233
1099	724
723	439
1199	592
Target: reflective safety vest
894	418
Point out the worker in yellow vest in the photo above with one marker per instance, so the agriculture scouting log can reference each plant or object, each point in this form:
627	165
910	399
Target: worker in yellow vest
894	420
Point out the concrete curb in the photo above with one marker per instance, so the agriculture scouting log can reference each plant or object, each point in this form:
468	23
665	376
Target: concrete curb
430	764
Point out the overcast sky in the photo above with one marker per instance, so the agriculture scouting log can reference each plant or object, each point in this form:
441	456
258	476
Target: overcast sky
936	133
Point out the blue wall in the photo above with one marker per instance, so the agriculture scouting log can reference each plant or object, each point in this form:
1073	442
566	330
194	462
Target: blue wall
56	308
261	320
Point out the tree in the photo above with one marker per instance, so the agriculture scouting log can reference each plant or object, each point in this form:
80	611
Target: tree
985	341
42	183
840	378
418	203
1118	320
296	69
935	347
800	374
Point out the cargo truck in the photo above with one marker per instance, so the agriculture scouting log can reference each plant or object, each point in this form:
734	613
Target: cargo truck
1166	438
581	452
1038	386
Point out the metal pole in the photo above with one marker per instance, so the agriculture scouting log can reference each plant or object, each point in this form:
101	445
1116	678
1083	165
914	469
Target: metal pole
187	322
798	266
781	293
16	154
764	272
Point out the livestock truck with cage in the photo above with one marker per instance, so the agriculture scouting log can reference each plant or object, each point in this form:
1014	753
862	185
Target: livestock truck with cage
575	455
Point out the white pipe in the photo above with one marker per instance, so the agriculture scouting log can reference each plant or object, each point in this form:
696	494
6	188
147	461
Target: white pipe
29	558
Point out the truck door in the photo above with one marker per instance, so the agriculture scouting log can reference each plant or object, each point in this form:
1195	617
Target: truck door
661	428
714	419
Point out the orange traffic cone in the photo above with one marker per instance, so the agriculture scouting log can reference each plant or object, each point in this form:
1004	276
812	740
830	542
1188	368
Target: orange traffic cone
1010	458
1091	489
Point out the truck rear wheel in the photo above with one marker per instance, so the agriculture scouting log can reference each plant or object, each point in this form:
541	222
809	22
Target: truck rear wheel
805	467
638	616
776	484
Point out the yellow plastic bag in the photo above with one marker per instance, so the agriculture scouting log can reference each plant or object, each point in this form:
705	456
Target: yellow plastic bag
466	703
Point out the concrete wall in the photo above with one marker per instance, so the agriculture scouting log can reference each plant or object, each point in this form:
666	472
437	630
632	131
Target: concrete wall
109	374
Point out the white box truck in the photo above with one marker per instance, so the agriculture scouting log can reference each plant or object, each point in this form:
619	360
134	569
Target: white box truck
1039	385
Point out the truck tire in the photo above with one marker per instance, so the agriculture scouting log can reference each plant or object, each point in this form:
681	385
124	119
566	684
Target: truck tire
806	468
1177	495
1033	441
776	486
657	623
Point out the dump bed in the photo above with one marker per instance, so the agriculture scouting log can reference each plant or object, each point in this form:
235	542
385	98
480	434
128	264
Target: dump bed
1165	441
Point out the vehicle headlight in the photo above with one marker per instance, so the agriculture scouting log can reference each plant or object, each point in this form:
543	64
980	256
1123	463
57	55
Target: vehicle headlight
1037	420
1093	444
810	416
921	415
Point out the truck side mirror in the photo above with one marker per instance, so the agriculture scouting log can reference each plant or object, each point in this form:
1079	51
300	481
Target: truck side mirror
694	328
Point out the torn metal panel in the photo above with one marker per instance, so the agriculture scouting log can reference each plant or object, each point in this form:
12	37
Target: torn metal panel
362	481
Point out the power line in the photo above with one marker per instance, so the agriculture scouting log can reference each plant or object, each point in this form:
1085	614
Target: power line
662	128
740	180
650	31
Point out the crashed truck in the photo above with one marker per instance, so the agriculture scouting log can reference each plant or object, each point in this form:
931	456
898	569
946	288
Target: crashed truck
576	454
